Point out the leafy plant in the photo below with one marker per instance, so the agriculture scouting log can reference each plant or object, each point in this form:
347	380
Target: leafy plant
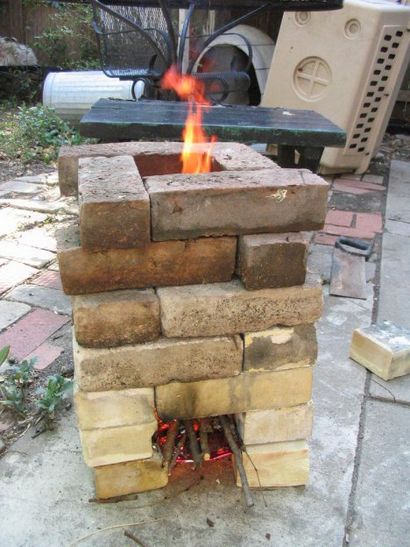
13	398
35	133
16	380
69	40
53	394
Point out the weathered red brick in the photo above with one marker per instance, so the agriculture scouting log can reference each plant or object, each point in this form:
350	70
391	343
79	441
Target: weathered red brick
369	222
161	264
45	354
236	203
339	218
31	331
48	278
272	260
114	205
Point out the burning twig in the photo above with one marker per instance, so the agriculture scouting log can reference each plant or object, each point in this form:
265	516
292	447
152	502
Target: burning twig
193	443
226	424
170	444
180	444
134	538
203	438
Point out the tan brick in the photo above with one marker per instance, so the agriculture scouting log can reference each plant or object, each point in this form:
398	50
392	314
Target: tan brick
114	205
248	391
236	202
280	348
154	158
277	465
121	479
158	264
116	317
228	308
276	425
272	260
97	410
158	362
117	444
384	349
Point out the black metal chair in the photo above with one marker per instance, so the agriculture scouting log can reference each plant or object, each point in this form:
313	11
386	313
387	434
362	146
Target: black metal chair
141	39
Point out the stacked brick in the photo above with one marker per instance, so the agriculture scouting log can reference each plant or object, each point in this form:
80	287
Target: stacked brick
190	299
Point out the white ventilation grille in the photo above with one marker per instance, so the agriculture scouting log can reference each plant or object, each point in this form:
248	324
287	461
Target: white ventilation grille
371	111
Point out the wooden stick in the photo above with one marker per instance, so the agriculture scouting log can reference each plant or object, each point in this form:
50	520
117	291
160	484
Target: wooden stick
180	444
170	444
193	443
134	538
238	460
203	439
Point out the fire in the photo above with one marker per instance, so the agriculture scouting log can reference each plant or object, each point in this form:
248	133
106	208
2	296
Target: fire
192	90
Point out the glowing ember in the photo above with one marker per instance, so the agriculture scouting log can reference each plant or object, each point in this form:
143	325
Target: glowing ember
191	89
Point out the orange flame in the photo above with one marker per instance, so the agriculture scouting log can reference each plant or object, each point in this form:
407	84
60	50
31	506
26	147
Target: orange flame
192	90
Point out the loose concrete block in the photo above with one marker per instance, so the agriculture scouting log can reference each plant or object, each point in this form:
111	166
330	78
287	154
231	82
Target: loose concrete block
117	444
153	158
121	479
272	260
384	349
248	391
159	362
276	425
277	465
116	317
228	308
114	205
155	265
280	348
97	410
236	202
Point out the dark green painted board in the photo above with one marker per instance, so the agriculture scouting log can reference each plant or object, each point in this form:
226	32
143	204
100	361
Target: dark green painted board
111	119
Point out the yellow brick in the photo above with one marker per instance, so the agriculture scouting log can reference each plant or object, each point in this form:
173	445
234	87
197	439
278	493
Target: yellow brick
121	479
277	465
117	444
277	425
247	391
96	410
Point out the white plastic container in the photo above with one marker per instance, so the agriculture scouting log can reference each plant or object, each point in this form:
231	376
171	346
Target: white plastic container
347	65
71	94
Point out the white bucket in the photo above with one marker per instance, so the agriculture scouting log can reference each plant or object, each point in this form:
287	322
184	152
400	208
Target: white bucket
71	94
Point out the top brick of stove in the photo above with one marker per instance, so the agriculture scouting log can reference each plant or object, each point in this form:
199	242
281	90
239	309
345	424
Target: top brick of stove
127	201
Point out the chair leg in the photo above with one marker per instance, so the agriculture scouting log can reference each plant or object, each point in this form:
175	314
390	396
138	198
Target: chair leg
286	155
310	157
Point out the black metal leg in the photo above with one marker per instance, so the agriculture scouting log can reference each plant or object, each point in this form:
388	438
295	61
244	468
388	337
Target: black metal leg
286	155
310	157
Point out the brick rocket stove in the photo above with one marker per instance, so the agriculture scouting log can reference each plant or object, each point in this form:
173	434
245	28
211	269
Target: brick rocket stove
190	301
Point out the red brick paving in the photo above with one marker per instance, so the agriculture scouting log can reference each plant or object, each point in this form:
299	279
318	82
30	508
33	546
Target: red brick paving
31	331
325	239
351	232
369	222
49	279
46	354
339	218
13	273
356	186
